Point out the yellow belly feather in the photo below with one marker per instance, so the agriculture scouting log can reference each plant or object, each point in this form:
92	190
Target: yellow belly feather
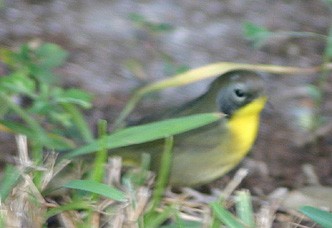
243	127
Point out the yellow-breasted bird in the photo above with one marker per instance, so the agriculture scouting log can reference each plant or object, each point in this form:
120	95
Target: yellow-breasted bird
209	152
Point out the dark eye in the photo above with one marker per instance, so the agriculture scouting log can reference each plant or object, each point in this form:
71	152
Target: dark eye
239	93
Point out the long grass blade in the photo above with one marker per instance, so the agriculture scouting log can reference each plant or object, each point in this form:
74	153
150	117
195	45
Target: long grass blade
147	133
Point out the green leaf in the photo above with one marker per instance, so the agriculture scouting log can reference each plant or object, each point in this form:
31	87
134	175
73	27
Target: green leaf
8	181
58	142
51	55
7	56
17	82
225	216
257	34
79	121
97	188
137	18
319	216
314	92
147	132
140	20
98	171
328	49
75	205
61	117
42	74
163	173
244	209
76	96
49	140
23	56
41	106
155	220
160	27
181	223
138	177
17	128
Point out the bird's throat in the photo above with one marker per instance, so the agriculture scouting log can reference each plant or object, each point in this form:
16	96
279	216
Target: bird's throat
244	124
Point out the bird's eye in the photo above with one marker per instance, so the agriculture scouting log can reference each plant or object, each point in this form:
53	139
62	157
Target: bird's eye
239	93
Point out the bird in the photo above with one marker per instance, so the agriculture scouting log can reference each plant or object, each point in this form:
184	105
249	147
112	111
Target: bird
209	152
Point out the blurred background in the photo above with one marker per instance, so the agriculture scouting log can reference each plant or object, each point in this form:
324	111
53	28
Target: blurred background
120	45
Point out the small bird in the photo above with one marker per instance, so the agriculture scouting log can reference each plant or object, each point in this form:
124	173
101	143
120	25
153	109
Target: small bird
207	153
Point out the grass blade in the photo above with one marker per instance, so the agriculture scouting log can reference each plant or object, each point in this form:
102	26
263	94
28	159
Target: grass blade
225	216
76	205
9	180
244	208
162	180
79	122
97	173
98	188
156	220
148	132
321	217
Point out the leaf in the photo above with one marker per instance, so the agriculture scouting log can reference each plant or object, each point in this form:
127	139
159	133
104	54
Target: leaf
328	49
75	96
70	206
50	140
17	82
79	121
255	33
98	188
183	223
137	18
163	173
10	178
59	142
321	217
61	117
314	92
41	106
159	27
140	20
147	132
244	208
17	128
225	216
155	220
42	74
51	55
23	56
7	56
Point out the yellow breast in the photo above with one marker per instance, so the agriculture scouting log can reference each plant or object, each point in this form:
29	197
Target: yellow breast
243	127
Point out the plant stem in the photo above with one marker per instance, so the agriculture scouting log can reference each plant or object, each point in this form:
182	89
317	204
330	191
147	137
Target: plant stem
80	122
